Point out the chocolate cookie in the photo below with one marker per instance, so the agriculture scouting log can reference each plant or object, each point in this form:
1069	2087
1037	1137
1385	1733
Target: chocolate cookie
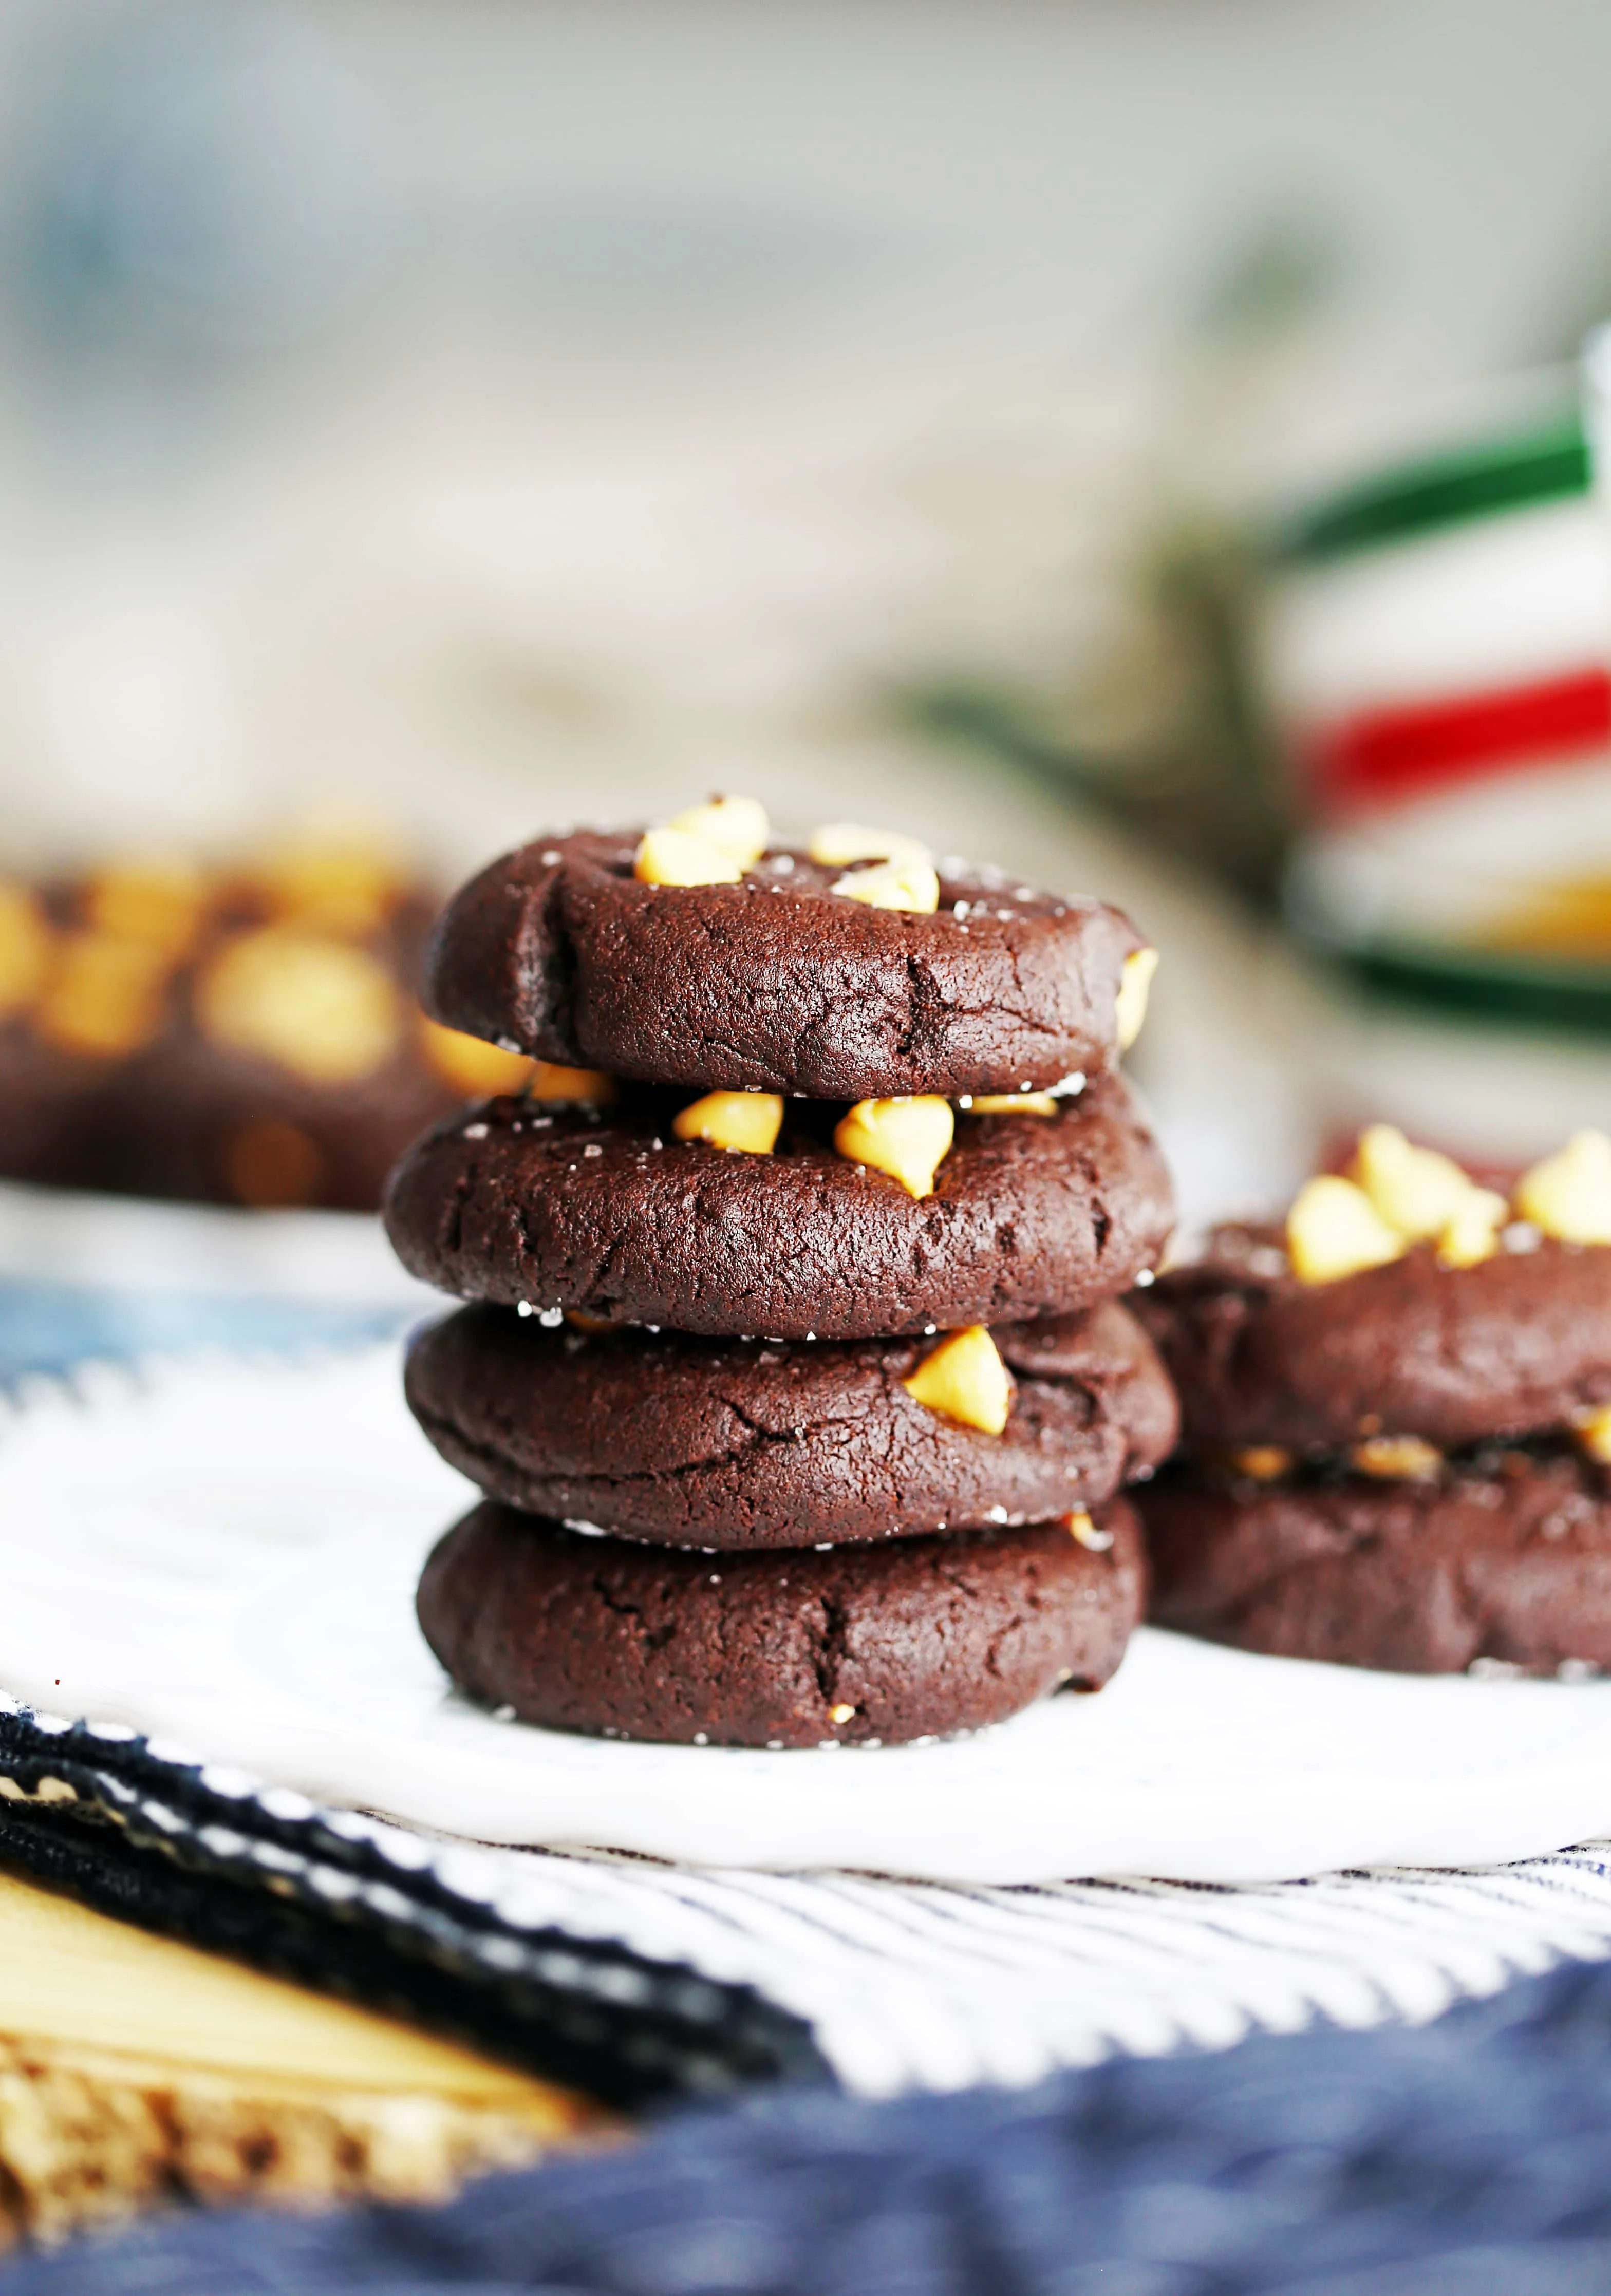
910	1639
610	1214
1454	1355
204	1123
251	1057
778	982
1504	1559
44	1095
746	1443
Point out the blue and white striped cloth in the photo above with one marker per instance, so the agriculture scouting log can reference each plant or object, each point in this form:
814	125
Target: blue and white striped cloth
914	1985
910	1985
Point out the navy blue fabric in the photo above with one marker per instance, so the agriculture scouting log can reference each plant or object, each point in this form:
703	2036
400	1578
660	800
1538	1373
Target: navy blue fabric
1468	2158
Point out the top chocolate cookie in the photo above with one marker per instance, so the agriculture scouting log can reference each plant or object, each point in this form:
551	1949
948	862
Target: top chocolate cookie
680	959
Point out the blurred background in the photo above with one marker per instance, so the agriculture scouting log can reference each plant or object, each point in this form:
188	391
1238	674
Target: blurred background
1137	441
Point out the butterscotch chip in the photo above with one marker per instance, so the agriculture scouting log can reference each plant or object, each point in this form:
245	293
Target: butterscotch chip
908	883
1415	1190
1334	1230
1079	1526
679	856
348	886
746	1122
1260	1462
1013	1103
736	825
1135	989
1473	1234
25	948
559	1086
160	902
965	1378
1568	1195
273	1163
1427	1196
472	1066
324	1010
1395	1459
909	1137
105	997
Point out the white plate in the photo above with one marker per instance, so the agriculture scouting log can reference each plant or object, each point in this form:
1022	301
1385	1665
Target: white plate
224	1555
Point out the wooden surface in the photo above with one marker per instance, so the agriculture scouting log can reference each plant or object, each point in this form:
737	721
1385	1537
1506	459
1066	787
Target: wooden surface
134	2070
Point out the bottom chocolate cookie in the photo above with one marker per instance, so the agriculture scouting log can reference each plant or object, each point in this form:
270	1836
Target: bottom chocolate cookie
1505	1559
910	1639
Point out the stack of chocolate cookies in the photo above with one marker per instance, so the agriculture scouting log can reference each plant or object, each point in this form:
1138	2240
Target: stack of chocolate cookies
795	1375
1397	1413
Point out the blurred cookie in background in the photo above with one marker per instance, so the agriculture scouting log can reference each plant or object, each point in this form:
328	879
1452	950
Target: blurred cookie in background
244	1034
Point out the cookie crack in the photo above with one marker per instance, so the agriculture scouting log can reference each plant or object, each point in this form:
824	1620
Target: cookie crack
622	1605
647	1639
452	1226
616	1480
926	1009
522	1211
547	968
955	1572
830	1649
453	1223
